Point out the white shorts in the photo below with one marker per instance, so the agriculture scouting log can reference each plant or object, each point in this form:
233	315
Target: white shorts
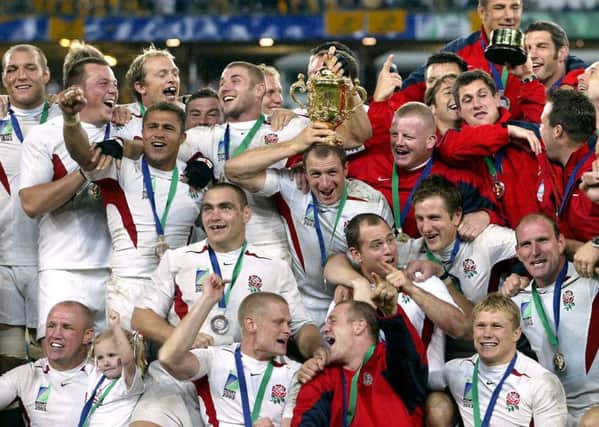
122	294
85	286
167	401
18	295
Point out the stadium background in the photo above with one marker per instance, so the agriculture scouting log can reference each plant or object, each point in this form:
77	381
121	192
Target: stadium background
205	35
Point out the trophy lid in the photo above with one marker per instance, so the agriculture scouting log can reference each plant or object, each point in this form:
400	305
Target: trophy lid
506	46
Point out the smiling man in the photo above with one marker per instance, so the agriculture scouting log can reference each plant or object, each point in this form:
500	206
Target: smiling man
314	220
149	208
72	264
52	390
499	385
559	314
237	374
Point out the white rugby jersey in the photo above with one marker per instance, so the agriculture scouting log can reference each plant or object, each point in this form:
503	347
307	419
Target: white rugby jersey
218	386
118	405
130	217
18	232
265	226
578	337
177	284
74	236
474	261
50	398
297	211
530	393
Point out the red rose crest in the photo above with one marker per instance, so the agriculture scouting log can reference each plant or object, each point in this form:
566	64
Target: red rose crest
278	393
271	138
254	283
512	400
568	299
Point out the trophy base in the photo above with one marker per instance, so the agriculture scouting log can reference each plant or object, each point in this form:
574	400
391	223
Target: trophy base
506	54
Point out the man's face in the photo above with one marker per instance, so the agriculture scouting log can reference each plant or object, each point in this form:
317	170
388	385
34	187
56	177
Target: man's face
434	71
237	93
541	252
435	224
548	133
445	108
326	178
162	136
224	218
545	57
273	98
411	142
25	79
377	247
161	81
495	337
273	329
67	337
588	82
501	14
338	332
203	112
101	91
478	106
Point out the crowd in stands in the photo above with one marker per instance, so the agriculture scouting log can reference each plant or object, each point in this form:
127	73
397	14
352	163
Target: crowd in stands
214	259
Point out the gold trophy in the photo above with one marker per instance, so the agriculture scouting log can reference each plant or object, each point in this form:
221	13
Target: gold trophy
329	97
506	46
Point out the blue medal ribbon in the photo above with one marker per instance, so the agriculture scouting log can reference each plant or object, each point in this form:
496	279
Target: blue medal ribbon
250	417
572	178
14	122
321	245
88	404
236	269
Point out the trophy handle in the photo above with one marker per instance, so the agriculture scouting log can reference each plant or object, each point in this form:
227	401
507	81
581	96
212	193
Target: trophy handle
361	92
300	85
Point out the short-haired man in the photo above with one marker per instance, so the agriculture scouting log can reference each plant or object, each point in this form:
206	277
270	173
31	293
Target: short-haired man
241	91
375	160
559	316
548	47
148	208
314	220
499	385
52	390
568	131
428	304
232	376
25	74
366	382
588	83
152	77
439	97
413	141
74	244
493	146
273	96
203	109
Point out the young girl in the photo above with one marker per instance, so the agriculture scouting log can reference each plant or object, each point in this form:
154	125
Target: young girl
117	383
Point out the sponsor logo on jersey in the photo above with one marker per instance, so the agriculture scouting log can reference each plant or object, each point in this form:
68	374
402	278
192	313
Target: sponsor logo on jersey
309	216
200	277
467	398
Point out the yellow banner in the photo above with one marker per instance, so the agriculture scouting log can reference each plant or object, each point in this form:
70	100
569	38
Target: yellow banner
344	23
388	21
65	28
475	21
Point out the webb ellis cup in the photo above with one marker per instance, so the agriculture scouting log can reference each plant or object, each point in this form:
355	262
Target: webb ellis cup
330	97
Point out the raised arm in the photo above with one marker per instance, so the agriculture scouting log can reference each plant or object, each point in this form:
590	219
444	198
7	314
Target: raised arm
123	347
249	168
175	355
339	271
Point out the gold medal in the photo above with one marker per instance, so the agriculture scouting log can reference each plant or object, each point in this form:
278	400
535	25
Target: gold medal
161	247
498	189
93	190
401	237
559	362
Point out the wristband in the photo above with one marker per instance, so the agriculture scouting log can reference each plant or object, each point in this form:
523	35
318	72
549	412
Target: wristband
82	174
71	120
445	275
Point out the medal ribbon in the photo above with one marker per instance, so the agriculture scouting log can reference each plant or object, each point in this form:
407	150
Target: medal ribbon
475	404
245	142
557	291
98	402
250	418
494	165
323	250
350	412
142	109
14	122
447	265
400	218
500	81
572	178
236	269
160	223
